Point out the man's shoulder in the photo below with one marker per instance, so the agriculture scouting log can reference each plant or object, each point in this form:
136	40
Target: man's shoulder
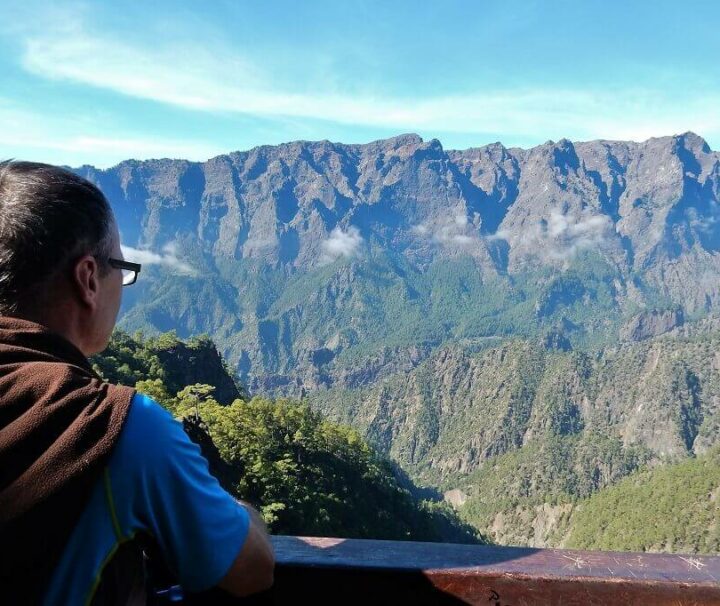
149	432
144	410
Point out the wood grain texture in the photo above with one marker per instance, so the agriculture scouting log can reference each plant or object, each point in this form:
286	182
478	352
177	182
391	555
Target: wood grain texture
351	571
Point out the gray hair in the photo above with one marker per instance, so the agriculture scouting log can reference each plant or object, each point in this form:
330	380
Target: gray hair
48	217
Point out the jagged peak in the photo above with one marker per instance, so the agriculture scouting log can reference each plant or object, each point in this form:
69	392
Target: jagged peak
689	139
396	142
561	154
404	139
563	143
694	142
435	143
148	164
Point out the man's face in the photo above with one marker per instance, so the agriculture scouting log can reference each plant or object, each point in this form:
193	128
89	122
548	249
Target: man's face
109	298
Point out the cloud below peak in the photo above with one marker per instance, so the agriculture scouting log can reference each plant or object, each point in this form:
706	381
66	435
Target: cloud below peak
457	232
562	235
167	258
341	243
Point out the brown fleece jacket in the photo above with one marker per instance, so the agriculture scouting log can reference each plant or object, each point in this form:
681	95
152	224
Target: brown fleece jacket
58	424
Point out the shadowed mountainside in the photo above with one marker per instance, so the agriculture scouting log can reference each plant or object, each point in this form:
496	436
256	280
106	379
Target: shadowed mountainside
458	307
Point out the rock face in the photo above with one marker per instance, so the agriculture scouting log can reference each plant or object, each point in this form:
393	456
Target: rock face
538	526
651	324
455	497
370	276
200	364
650	205
277	235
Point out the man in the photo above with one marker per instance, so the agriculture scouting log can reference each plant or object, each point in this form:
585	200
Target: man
90	473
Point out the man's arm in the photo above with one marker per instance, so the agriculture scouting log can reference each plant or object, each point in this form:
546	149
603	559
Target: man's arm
252	570
206	538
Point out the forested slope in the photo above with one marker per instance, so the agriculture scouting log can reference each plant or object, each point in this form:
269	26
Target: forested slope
308	476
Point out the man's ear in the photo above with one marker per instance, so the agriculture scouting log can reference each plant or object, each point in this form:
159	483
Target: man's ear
86	276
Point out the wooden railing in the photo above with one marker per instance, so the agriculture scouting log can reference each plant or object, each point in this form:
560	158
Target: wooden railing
349	571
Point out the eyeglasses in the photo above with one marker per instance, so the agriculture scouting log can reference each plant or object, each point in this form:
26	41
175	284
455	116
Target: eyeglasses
130	271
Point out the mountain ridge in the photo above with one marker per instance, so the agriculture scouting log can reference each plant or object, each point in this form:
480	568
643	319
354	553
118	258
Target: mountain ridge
409	136
643	216
460	308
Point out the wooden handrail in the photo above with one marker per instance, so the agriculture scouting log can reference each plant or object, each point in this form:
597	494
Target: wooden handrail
352	571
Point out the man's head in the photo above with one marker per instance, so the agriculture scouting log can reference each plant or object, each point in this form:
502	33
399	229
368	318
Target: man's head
57	232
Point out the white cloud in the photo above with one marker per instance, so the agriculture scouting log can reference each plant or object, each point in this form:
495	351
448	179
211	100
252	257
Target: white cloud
558	224
341	243
451	231
168	258
202	82
462	239
456	231
500	234
562	236
25	134
557	239
705	223
171	248
592	227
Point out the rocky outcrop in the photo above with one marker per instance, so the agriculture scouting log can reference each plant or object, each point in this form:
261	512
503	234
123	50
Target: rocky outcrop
199	363
533	526
455	497
651	324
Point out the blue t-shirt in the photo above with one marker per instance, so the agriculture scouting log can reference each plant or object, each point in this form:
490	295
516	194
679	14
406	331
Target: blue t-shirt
157	482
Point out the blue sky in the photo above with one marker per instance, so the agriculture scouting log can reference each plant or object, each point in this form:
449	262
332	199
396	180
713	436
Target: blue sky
99	82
